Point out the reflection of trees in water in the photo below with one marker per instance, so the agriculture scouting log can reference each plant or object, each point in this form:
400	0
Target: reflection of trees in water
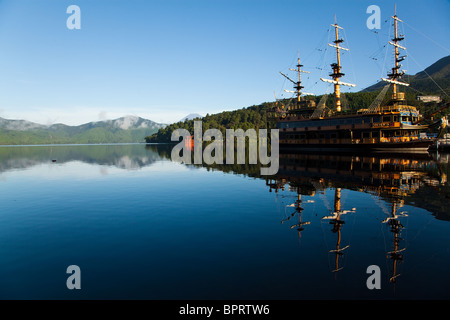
395	179
418	181
414	179
124	156
251	170
163	150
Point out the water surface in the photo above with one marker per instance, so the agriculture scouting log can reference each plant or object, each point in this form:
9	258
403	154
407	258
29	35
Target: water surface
140	226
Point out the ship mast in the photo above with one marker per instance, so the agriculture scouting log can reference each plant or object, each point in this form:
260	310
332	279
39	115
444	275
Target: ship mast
297	84
397	59
337	67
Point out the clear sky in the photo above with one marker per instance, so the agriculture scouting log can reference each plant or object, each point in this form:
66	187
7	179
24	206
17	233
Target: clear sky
164	59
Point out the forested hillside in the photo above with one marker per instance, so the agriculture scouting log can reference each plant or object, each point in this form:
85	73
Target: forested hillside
434	80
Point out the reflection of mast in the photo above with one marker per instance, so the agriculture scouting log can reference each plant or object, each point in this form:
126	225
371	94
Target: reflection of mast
299	209
337	223
337	227
396	254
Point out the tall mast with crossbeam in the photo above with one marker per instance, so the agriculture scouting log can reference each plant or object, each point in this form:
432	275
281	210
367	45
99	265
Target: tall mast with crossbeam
337	67
396	74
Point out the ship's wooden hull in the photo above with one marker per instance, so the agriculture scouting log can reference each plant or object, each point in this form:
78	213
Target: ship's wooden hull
415	146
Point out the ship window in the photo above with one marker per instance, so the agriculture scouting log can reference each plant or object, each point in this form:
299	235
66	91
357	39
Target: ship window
386	118
395	118
366	134
404	118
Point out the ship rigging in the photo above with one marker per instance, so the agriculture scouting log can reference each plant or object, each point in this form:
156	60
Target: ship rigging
394	126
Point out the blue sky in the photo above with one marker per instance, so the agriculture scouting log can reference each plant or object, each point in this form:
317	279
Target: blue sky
162	60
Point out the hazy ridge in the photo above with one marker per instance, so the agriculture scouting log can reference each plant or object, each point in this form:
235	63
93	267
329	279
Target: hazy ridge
122	130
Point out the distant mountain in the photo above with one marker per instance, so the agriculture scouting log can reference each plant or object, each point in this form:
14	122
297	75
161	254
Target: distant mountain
121	130
19	125
191	116
438	71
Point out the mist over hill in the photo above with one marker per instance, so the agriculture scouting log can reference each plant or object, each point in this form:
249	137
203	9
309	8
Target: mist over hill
191	116
126	129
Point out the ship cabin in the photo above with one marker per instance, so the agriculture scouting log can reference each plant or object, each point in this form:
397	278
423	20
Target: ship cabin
394	122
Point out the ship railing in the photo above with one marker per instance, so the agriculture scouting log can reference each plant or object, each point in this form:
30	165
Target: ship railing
402	139
398	108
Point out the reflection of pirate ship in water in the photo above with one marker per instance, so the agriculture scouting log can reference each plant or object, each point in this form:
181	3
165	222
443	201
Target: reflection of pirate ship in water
389	179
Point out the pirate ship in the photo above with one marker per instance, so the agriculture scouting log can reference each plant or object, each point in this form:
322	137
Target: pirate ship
394	126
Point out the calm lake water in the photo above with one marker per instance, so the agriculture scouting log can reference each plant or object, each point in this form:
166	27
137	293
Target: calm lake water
140	226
